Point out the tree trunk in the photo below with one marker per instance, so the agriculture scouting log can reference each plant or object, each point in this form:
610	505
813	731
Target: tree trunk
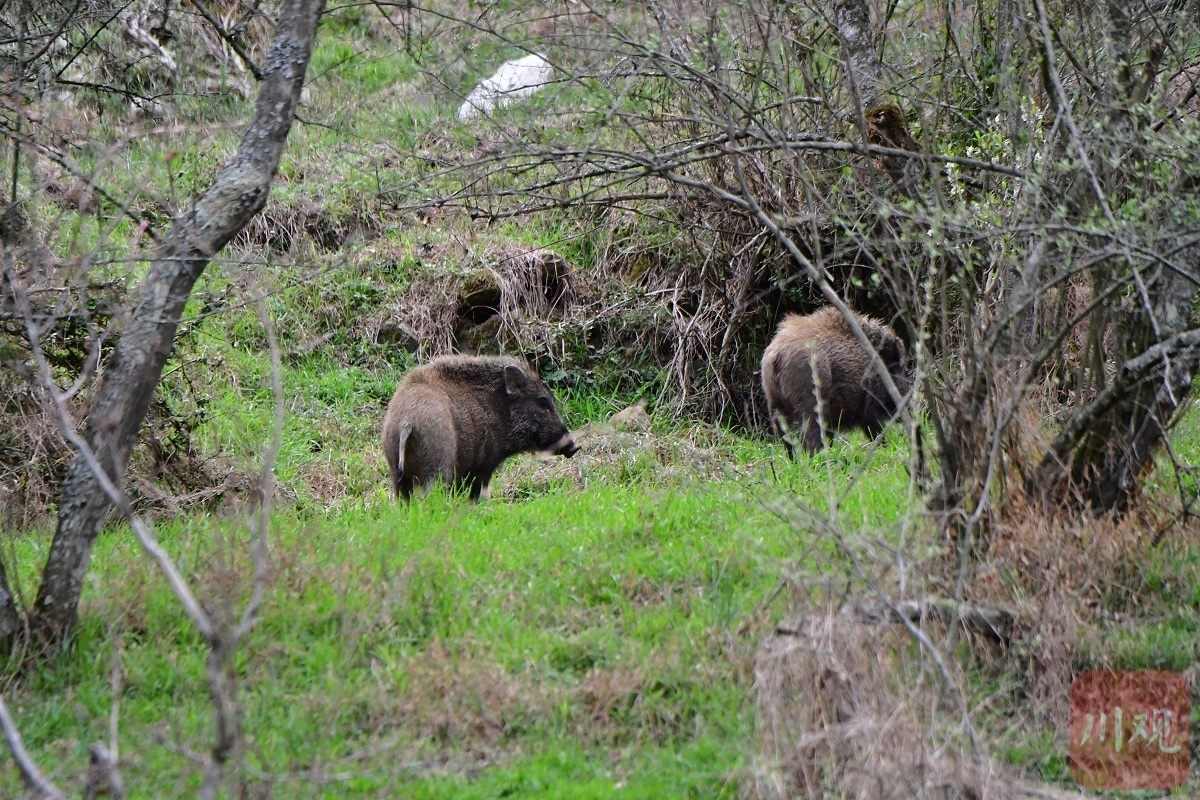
1107	446
147	338
10	615
853	20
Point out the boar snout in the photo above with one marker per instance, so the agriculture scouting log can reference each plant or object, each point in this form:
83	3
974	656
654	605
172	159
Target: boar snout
565	446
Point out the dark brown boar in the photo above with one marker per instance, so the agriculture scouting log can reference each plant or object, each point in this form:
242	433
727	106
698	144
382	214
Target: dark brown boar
458	417
852	393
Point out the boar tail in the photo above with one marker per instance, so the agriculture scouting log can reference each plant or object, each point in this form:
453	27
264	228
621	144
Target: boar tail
402	434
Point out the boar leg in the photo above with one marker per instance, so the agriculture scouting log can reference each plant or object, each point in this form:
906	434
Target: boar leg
813	441
478	482
780	428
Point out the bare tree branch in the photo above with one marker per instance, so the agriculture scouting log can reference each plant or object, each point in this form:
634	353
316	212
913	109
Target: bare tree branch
233	41
223	644
30	773
146	340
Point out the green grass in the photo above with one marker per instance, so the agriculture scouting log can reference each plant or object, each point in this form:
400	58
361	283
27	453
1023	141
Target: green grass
581	641
557	646
587	633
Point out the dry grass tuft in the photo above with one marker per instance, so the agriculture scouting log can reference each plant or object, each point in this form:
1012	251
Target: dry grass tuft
1060	559
451	698
33	460
303	227
1069	577
606	453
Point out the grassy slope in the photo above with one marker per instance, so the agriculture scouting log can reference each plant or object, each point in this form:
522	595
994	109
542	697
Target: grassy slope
588	629
558	645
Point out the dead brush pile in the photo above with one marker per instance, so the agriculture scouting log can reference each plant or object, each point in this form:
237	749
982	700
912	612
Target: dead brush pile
508	298
1077	580
33	457
309	226
505	296
852	704
850	708
168	474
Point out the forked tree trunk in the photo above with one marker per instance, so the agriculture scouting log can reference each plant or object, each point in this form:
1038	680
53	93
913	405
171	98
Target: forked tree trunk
1105	448
148	336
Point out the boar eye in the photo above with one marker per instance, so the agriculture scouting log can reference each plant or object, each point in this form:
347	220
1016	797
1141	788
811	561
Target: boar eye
545	403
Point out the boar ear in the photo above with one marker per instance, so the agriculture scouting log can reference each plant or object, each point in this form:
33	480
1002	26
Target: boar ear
516	382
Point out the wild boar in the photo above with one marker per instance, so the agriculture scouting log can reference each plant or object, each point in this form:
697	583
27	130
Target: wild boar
458	417
852	393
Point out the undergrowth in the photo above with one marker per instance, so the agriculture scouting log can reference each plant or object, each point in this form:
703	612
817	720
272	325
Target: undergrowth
589	632
579	639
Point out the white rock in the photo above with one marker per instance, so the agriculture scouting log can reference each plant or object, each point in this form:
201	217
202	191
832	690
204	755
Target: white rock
514	81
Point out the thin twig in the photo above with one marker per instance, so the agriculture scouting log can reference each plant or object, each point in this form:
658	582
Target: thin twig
258	550
30	773
118	498
233	41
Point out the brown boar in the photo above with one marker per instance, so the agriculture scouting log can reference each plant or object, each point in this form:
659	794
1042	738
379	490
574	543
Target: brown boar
852	393
458	417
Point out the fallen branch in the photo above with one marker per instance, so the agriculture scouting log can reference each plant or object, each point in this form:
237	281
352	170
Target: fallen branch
995	623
